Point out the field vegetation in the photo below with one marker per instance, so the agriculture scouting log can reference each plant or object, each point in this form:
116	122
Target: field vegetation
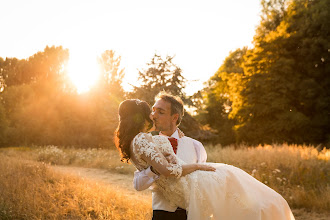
29	189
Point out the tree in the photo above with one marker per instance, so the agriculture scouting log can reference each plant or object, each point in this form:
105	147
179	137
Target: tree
40	111
161	75
14	72
222	95
111	74
272	14
278	90
49	64
286	96
42	66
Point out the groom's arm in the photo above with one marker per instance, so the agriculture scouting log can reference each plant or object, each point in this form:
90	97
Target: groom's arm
144	179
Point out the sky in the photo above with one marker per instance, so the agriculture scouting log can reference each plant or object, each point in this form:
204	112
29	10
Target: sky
199	34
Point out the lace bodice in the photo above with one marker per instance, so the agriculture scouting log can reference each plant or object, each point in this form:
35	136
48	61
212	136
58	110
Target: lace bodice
150	150
153	148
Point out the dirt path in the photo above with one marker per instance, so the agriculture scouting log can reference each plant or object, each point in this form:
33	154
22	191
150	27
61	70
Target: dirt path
124	183
117	181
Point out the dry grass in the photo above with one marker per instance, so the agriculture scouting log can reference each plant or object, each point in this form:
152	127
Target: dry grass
301	174
92	158
30	190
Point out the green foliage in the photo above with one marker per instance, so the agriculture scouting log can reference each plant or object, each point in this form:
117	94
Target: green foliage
287	95
272	14
161	75
222	94
278	91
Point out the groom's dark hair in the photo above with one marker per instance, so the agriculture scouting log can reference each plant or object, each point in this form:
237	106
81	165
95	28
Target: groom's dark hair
176	104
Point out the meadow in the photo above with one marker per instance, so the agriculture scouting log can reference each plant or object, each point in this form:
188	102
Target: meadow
30	189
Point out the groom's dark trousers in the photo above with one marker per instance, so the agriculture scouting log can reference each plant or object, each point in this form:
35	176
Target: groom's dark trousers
179	214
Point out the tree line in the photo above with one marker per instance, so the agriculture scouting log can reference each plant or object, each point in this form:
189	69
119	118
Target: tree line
276	91
279	90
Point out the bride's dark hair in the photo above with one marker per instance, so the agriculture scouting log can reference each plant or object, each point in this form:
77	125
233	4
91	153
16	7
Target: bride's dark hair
133	114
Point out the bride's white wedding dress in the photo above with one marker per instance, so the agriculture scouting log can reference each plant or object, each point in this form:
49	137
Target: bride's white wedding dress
227	193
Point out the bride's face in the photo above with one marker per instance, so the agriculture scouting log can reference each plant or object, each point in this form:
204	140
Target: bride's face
147	126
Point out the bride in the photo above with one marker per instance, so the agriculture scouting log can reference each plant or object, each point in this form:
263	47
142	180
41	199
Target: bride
206	191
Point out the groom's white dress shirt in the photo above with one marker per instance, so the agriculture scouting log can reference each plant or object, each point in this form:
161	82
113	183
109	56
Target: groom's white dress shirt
189	150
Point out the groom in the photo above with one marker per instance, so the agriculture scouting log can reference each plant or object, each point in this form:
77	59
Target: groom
167	114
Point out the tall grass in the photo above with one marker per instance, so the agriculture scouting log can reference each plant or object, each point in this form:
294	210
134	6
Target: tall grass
92	158
30	190
301	174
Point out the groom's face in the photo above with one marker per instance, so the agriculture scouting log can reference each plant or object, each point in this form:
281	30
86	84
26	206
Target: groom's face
162	117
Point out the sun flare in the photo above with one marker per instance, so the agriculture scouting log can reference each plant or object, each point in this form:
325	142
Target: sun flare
83	71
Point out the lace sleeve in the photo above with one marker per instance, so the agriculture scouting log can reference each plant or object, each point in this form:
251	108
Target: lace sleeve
147	150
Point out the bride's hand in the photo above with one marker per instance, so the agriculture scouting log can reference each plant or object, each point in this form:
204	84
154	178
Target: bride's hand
205	167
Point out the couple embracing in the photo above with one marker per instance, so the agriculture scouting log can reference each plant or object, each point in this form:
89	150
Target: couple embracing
184	185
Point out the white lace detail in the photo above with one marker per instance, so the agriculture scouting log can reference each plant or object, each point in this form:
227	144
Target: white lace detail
163	144
175	169
141	146
160	144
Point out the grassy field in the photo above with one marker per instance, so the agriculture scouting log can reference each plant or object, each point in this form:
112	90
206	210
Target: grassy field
301	174
30	190
92	158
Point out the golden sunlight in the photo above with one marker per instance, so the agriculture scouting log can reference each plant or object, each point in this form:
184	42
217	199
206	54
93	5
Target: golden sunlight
83	70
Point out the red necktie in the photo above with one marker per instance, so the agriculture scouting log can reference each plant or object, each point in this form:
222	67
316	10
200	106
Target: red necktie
174	143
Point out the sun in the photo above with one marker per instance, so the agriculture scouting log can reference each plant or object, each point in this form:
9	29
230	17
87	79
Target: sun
83	70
